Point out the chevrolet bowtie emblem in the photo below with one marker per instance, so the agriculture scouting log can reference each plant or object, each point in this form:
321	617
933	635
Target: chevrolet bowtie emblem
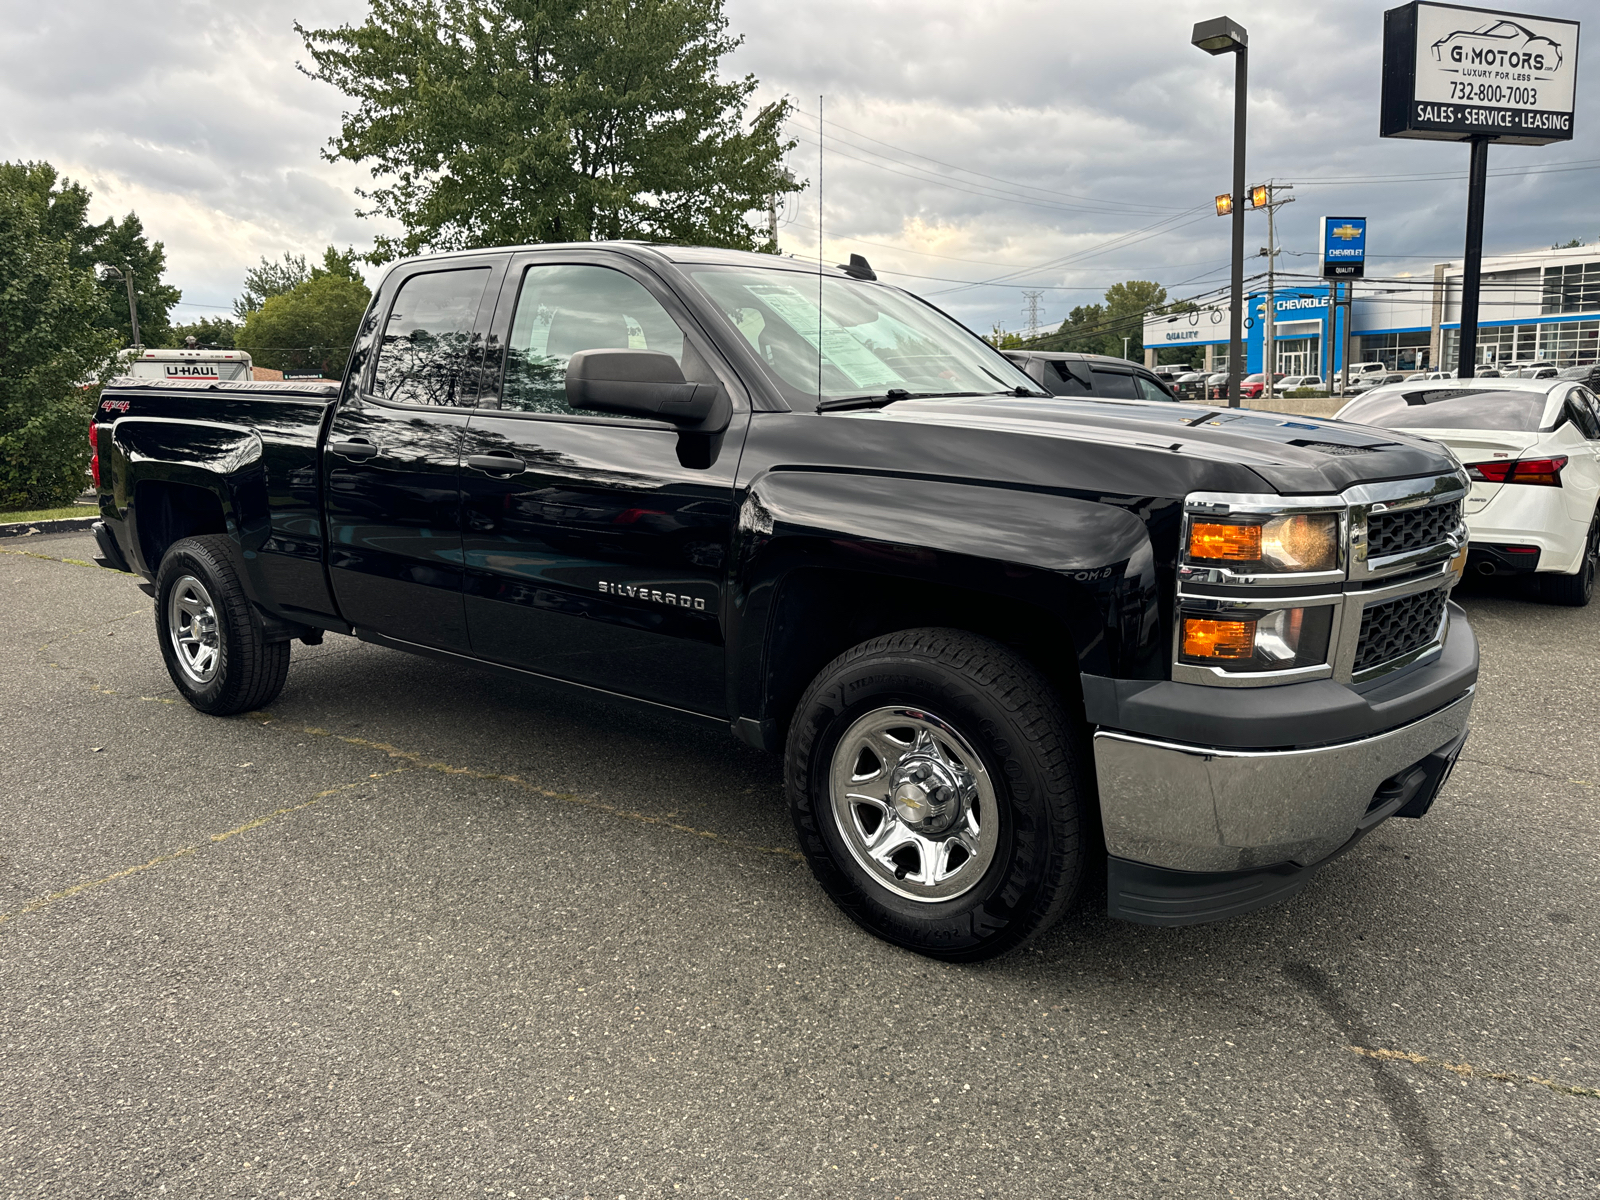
1345	232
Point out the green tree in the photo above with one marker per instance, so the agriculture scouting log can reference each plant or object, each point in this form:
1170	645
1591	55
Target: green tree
51	349
313	324
210	333
496	122
1000	339
270	279
63	208
123	246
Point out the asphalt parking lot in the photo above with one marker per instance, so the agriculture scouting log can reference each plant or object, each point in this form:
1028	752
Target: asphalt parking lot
421	931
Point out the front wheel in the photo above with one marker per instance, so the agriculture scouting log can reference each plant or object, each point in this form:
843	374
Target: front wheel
214	647
935	787
1576	590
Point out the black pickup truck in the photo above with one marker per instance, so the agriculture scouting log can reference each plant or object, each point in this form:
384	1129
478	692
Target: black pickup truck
1015	647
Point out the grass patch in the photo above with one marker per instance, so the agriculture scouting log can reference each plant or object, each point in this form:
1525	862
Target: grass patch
50	514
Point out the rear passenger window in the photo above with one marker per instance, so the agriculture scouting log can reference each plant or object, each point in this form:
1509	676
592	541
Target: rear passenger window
428	354
1150	390
1582	416
1116	385
1062	382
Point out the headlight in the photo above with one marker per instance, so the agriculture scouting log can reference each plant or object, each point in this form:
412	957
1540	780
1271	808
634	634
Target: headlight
1267	641
1293	543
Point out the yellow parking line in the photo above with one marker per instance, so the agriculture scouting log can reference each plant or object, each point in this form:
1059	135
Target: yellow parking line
1468	1071
425	764
183	851
75	562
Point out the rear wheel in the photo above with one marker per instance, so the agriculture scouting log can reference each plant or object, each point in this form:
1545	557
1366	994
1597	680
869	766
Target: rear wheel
1576	590
936	792
213	645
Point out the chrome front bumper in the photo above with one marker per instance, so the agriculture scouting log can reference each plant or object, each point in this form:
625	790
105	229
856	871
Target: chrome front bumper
1196	808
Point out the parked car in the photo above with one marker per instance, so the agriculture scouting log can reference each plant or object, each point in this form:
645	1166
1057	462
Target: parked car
1532	449
1536	370
1217	385
1292	382
1588	375
934	588
1191	386
1366	383
1067	374
1251	386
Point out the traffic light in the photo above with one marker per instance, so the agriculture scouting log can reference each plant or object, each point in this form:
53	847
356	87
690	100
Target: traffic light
1260	196
1224	205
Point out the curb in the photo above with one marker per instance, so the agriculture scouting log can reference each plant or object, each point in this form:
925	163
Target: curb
61	525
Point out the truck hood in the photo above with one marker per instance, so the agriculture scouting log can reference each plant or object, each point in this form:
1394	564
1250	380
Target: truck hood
1296	455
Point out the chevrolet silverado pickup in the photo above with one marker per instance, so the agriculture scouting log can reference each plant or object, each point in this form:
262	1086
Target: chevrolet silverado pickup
1017	649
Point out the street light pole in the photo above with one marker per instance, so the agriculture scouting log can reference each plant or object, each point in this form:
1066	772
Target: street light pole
1125	347
1221	35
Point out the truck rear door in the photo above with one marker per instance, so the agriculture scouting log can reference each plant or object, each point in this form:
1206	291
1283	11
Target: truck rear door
390	463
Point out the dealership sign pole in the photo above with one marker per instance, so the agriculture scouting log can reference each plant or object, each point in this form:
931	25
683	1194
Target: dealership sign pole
1344	256
1477	75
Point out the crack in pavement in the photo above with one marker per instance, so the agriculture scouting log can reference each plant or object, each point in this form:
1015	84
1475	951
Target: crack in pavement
1410	1121
1467	1071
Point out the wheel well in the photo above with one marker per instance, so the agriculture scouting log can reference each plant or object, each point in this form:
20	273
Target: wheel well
169	512
820	613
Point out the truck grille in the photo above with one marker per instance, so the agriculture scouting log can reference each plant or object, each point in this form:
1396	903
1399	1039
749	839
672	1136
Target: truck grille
1398	627
1413	529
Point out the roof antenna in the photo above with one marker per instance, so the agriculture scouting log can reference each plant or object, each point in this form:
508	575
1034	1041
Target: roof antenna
819	251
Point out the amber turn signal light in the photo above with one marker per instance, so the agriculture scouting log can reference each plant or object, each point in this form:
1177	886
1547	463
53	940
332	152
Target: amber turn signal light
1229	543
1204	638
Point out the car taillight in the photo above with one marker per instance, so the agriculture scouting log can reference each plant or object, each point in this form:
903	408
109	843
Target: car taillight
1544	472
94	444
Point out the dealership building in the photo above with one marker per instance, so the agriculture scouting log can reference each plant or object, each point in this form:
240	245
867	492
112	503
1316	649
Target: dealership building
1537	307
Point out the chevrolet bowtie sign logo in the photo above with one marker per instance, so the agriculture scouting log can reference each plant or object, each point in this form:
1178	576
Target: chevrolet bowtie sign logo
1345	232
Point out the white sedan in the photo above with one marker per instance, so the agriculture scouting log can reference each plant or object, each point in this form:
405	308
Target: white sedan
1532	448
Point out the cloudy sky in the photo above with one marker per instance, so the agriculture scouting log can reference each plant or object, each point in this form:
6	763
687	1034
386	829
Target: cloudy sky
1057	147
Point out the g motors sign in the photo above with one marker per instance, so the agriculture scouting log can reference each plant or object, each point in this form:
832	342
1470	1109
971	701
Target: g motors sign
1453	73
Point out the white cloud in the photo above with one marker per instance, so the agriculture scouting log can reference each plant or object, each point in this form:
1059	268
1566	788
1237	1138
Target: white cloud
193	114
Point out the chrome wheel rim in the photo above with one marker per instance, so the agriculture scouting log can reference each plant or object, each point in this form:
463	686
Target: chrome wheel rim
913	803
192	626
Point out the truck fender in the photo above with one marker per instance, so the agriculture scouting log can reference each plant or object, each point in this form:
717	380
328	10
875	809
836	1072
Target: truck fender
1088	563
223	460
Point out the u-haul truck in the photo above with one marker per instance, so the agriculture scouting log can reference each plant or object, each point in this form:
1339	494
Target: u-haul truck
215	366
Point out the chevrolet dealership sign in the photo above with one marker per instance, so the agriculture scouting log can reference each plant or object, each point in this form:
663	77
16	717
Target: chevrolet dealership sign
1344	247
1452	74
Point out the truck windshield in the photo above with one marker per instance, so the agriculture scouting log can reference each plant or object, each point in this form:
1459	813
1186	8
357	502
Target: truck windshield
867	339
1450	408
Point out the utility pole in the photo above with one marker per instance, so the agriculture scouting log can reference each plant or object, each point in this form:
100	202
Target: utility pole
1268	193
1030	313
772	219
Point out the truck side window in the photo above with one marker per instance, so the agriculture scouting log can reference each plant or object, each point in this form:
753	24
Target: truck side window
428	349
1116	384
562	309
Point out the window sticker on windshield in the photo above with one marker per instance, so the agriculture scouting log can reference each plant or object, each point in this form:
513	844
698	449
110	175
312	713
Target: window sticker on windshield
842	348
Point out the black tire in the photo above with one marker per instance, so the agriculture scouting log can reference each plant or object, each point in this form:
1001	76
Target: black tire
995	704
1576	590
243	672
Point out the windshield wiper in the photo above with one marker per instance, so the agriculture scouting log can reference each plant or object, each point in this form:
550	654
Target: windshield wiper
840	403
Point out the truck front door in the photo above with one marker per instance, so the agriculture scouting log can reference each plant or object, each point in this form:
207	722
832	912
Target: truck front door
391	459
593	554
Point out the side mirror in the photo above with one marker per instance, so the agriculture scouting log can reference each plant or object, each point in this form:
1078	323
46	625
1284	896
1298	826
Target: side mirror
645	383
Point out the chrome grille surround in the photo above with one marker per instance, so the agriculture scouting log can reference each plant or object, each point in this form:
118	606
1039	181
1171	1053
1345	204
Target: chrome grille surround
1364	581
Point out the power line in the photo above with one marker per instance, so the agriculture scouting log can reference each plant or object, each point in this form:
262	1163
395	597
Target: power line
1113	206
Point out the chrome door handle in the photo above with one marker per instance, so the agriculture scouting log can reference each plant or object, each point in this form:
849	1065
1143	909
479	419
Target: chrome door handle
354	448
497	464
